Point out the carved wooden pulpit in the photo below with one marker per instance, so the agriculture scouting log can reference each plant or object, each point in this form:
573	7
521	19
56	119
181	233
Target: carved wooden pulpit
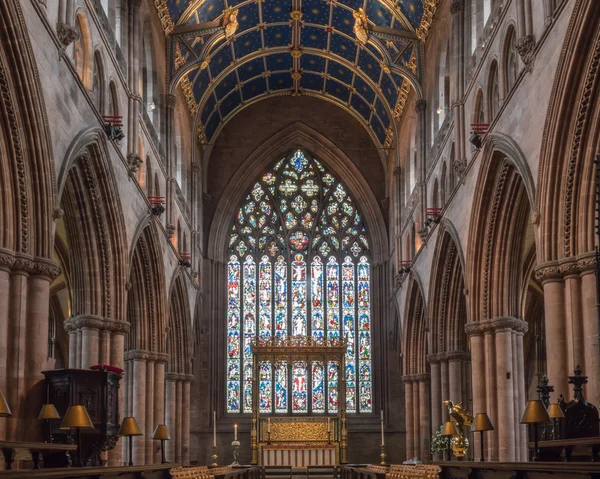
98	391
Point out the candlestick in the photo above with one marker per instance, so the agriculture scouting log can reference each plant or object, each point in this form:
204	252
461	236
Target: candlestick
215	429
235	432
383	455
269	425
235	446
328	424
215	457
382	435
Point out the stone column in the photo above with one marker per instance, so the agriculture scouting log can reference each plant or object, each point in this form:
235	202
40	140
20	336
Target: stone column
436	393
424	423
139	407
104	351
408	401
171	101
6	261
150	389
455	360
590	340
478	383
556	335
89	347
445	382
504	378
185	430
416	411
159	403
420	108
171	414
179	419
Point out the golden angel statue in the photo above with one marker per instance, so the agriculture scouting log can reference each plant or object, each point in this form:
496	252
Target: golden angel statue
462	420
361	29
230	22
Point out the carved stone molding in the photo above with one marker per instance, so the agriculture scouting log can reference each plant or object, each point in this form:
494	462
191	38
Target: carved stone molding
457	6
170	230
7	260
559	270
66	34
420	106
460	166
134	162
416	378
496	324
58	213
33	266
448	356
178	377
143	355
96	322
526	50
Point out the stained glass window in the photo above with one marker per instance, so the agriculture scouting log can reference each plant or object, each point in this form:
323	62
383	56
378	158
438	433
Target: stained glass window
299	265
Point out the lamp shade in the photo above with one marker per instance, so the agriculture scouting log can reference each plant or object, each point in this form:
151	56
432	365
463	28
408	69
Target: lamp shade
48	412
535	413
4	409
482	423
76	416
449	429
161	433
555	412
129	427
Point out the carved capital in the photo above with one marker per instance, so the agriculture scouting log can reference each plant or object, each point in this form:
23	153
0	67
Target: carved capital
457	6
548	273
46	267
420	106
58	213
206	199
134	162
170	230
96	322
397	172
456	355
476	328
66	34
143	355
526	50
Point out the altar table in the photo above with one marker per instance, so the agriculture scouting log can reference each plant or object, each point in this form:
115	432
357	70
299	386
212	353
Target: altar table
296	455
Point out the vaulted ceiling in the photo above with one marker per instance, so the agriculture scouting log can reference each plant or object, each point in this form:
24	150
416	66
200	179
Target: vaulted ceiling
296	47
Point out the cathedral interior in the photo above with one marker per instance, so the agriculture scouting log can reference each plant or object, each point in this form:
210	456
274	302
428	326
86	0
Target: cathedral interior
299	233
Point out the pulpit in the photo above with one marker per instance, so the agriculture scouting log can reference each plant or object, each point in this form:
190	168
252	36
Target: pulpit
98	391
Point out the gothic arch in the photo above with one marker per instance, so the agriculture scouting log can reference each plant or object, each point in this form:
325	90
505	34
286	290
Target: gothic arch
448	311
297	135
178	336
415	329
501	213
571	136
146	309
94	226
28	176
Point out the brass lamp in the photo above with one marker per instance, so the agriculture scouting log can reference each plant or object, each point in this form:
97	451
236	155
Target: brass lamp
481	424
4	409
555	413
448	431
78	418
535	413
48	413
130	428
161	433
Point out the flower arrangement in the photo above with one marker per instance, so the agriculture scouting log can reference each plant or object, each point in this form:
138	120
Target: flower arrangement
439	443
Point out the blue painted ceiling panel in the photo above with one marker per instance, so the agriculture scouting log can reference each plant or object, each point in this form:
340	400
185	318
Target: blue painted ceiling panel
325	26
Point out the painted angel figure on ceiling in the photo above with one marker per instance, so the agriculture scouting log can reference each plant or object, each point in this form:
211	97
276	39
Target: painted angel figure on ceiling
230	22
361	28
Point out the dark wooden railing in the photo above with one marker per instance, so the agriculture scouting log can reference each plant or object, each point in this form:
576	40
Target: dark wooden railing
156	471
490	470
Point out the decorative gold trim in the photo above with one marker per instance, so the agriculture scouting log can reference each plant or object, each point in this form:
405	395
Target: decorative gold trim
164	15
429	8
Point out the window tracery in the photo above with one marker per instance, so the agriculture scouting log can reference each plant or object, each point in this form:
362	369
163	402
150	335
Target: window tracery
299	265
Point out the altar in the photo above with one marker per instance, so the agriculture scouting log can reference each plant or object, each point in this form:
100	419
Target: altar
304	440
299	442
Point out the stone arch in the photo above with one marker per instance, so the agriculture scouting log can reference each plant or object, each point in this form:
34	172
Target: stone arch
95	228
415	344
82	50
179	338
297	135
493	90
146	309
479	108
565	204
501	218
571	136
498	235
510	62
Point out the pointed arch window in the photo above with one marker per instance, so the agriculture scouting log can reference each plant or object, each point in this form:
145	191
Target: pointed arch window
299	265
